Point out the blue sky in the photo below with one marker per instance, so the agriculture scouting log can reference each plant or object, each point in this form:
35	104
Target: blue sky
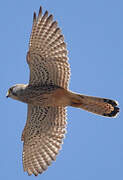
93	30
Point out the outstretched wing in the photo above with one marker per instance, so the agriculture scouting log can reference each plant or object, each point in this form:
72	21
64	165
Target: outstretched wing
42	136
47	55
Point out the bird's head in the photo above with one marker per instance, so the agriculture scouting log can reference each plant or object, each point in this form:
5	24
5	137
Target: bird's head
15	91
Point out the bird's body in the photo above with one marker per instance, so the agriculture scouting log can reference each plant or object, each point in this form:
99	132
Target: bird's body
54	96
47	95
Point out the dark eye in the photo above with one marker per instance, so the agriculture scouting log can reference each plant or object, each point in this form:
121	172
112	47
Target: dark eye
10	89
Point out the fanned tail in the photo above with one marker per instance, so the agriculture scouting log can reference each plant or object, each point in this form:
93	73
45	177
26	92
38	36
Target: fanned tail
101	106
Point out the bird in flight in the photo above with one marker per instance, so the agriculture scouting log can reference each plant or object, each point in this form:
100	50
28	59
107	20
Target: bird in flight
47	95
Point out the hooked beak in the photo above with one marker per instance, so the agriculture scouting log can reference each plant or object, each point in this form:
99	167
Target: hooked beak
7	95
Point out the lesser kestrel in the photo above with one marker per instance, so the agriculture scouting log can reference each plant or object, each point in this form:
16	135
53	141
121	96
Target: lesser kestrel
47	95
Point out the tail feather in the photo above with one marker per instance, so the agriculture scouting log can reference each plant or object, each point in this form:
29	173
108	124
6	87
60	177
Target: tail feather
114	104
101	106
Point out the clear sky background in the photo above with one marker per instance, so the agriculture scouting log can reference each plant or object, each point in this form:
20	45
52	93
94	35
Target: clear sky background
93	30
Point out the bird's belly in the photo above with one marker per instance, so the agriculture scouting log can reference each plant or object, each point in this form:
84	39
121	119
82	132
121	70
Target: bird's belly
57	97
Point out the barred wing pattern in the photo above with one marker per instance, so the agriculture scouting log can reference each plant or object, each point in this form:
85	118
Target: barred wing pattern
42	136
47	56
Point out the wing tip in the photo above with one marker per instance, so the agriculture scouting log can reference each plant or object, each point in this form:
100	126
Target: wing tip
34	17
40	12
